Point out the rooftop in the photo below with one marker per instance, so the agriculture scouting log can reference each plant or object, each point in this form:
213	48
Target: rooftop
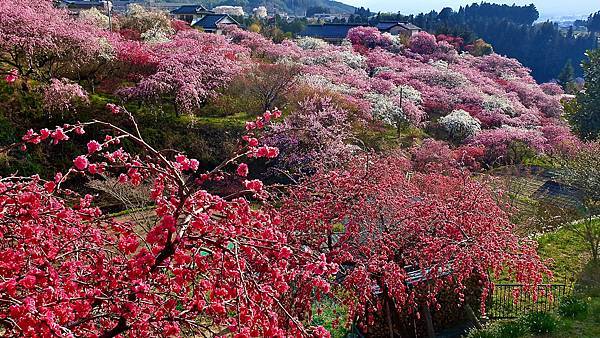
387	25
82	4
211	20
329	30
189	9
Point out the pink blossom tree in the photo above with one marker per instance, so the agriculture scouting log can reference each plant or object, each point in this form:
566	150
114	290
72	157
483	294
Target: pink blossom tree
316	136
62	96
43	42
189	69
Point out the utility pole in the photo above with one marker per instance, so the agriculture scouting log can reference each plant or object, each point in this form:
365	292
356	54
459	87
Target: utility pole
108	7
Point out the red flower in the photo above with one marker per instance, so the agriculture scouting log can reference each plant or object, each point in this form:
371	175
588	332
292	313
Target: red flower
254	185
79	130
49	186
12	76
93	146
169	222
113	108
242	170
59	135
81	162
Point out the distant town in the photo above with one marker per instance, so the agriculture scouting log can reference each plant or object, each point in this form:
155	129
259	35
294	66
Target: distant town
331	27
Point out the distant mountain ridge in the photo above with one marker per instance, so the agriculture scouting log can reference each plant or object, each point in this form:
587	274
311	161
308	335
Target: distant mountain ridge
292	7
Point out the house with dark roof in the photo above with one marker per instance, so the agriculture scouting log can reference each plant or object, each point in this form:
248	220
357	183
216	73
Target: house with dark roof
398	28
76	6
213	22
331	32
336	32
190	13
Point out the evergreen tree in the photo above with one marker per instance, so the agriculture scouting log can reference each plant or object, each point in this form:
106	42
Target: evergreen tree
586	120
567	75
593	23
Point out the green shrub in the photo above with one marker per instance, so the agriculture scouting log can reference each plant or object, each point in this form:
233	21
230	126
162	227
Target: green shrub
572	307
487	332
539	322
595	310
512	330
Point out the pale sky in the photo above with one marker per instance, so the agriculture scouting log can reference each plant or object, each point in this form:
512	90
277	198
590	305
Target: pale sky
547	8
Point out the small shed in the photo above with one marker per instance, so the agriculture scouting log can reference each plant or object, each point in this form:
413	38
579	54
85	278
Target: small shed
559	195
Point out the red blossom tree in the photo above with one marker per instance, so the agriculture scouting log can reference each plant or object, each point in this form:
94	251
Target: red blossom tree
376	219
207	264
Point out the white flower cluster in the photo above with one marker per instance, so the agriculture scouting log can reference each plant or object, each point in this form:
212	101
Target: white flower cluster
350	59
353	60
156	35
441	64
397	45
94	17
106	52
460	125
323	83
385	109
408	93
230	10
308	43
494	103
444	77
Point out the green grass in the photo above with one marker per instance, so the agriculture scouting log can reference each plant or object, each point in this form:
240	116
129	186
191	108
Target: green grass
567	252
236	120
570	264
331	312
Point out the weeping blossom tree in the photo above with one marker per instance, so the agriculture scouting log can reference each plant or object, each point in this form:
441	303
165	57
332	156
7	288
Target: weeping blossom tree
205	265
374	221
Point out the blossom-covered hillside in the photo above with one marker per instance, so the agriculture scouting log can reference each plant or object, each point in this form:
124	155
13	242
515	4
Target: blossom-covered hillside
127	112
489	101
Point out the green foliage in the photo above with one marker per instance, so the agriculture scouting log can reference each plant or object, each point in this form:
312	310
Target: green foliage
503	329
518	152
586	120
483	333
481	48
566	251
511	329
539	322
572	307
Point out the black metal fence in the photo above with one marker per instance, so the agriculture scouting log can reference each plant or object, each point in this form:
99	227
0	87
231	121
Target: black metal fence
512	300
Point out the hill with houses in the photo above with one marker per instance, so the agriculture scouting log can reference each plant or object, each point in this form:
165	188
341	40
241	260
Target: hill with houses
292	7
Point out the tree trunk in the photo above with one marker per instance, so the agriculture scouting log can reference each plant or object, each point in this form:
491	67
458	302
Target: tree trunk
428	321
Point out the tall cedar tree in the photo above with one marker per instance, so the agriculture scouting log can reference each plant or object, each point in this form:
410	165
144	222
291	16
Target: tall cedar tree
586	121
